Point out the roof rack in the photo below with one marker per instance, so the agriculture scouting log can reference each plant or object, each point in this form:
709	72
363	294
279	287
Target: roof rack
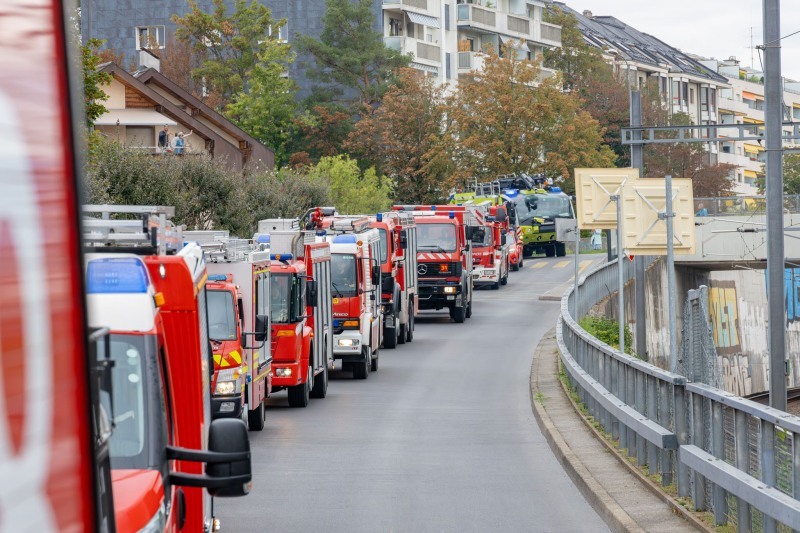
219	247
350	223
141	229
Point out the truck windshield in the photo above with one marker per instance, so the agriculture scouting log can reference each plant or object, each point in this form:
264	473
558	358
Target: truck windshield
280	298
486	240
384	245
221	316
542	205
343	275
138	405
436	237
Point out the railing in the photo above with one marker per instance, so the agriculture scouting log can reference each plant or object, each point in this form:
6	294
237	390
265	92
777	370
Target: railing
468	12
551	32
745	205
732	456
428	51
519	25
419	4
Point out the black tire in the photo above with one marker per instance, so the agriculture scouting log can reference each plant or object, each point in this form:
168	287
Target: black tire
390	336
561	249
320	389
299	394
495	286
515	267
521	262
504	280
550	251
527	252
361	368
469	309
374	364
403	336
410	328
255	418
459	314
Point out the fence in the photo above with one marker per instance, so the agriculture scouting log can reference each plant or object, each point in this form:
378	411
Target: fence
732	456
744	205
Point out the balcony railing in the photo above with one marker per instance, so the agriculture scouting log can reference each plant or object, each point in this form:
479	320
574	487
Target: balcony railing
472	13
551	32
519	25
428	51
419	4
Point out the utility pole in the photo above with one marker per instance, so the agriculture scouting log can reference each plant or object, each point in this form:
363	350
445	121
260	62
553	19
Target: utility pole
637	161
773	101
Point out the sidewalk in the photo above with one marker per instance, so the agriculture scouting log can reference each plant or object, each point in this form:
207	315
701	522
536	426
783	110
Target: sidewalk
622	498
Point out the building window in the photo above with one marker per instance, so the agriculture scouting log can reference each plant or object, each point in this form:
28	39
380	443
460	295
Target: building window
150	37
676	92
691	95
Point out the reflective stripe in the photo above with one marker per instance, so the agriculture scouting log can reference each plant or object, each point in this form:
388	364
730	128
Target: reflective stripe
236	357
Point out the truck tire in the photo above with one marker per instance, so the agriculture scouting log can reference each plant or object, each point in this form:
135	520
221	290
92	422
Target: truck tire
255	418
374	363
504	279
410	327
469	309
320	389
515	267
550	250
299	394
561	249
390	336
361	368
401	338
495	286
459	314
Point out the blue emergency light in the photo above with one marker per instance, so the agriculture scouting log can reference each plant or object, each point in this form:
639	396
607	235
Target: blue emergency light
489	218
345	239
511	193
217	277
112	275
379	217
433	208
337	323
263	238
321	233
555	190
281	257
452	214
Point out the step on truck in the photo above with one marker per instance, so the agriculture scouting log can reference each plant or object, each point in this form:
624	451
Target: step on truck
150	291
444	256
238	292
355	284
490	249
398	259
302	309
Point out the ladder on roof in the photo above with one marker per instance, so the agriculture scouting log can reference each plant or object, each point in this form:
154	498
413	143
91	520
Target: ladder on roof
350	223
144	229
219	247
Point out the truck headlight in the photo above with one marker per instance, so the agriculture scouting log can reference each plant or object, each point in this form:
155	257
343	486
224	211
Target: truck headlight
347	342
283	372
229	381
449	290
225	388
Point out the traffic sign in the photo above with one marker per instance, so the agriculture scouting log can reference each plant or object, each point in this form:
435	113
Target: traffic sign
645	218
595	190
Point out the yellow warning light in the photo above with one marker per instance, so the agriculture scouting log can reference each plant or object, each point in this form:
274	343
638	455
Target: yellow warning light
360	243
158	298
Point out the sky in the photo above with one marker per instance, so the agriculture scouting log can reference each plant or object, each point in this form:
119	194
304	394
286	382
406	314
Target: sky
712	28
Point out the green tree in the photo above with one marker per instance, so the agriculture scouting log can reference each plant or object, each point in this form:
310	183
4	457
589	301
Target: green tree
576	60
227	46
352	191
93	79
505	119
402	138
268	109
791	174
350	53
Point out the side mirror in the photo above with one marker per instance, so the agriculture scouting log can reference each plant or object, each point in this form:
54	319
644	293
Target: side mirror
262	328
503	239
311	293
469	231
226	438
403	240
501	215
387	284
376	274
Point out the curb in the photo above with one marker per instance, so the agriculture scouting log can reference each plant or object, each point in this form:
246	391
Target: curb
601	501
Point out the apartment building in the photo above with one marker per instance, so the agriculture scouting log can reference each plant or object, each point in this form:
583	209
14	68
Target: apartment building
449	38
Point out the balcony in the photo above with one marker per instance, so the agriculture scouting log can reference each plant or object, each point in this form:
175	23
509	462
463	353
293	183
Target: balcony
427	52
417	4
468	61
728	106
519	25
550	33
741	161
483	18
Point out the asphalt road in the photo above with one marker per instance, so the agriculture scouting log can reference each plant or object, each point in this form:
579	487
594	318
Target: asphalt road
441	438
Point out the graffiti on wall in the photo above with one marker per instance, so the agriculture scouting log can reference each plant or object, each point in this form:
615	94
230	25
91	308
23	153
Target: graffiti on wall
736	374
791	294
723	309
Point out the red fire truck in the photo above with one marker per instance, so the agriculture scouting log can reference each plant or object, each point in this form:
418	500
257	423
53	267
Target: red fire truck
444	255
150	292
490	249
238	292
302	313
398	258
355	282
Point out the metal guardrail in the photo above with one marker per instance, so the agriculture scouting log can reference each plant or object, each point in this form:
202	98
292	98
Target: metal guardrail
744	205
663	420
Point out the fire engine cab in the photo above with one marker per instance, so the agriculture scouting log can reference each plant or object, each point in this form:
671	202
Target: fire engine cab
302	312
490	249
150	292
398	259
355	282
238	299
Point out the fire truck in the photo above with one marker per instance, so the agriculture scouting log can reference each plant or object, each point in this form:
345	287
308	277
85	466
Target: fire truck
150	292
238	292
398	259
302	309
355	282
490	250
444	255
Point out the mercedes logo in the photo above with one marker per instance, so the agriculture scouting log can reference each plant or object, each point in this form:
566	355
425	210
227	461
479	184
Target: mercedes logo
422	269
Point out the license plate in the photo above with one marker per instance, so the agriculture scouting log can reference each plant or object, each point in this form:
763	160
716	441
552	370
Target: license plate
451	297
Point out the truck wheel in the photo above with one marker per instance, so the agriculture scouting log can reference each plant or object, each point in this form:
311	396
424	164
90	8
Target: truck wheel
298	395
390	337
460	314
374	363
255	418
504	280
320	389
401	338
495	286
469	309
561	249
514	267
550	251
361	368
410	328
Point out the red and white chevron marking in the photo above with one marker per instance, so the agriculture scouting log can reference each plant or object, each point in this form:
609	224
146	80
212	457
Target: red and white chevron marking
433	257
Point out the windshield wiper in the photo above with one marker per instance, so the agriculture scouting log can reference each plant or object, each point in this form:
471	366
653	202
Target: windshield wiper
336	291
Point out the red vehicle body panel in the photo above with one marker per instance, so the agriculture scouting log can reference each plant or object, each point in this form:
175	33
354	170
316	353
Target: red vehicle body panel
137	496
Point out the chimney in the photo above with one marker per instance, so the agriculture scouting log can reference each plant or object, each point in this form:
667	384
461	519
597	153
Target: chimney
587	14
148	59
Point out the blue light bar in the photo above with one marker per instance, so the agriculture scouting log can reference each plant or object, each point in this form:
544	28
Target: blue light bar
511	193
217	277
345	239
263	238
281	257
433	208
452	214
322	233
555	190
490	218
123	275
379	217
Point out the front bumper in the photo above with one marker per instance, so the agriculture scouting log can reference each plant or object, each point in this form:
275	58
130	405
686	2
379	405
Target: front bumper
226	406
485	275
436	294
340	348
295	378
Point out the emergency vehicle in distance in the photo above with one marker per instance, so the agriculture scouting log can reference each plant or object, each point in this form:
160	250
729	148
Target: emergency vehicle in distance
355	282
238	298
150	292
444	256
490	249
302	312
398	258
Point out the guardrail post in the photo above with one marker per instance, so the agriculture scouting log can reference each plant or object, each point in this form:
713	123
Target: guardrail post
743	513
652	414
622	389
608	421
682	430
664	419
698	481
630	395
718	449
615	391
768	468
641	444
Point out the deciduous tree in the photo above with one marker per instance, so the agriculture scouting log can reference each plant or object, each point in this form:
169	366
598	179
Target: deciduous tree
352	191
93	80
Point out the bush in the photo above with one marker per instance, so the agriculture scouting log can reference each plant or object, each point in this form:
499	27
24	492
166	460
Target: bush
351	191
607	330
